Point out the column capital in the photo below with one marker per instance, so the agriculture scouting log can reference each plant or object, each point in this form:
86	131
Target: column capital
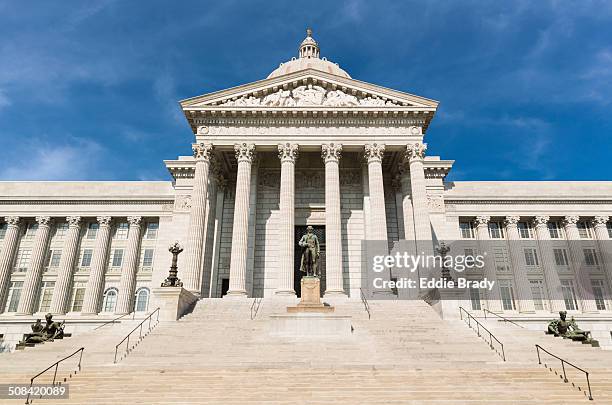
73	221
416	151
287	152
14	221
482	220
570	220
104	220
331	152
541	220
512	220
244	152
134	221
43	221
374	152
600	220
202	151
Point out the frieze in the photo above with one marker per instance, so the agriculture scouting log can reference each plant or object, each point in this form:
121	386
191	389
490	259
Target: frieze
307	129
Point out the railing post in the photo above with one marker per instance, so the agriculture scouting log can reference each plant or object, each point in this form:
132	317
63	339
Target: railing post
563	367
55	373
538	351
150	321
115	359
127	346
491	339
589	385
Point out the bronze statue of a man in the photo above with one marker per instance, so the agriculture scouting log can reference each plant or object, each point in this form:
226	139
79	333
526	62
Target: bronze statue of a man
567	329
310	254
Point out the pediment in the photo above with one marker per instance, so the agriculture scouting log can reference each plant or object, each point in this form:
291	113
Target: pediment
308	89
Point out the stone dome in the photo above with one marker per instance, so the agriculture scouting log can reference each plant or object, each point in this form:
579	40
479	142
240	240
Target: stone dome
308	58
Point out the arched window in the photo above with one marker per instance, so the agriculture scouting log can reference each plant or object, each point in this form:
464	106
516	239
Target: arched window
110	300
142	300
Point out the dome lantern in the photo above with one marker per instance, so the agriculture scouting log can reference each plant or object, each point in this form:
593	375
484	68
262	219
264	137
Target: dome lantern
309	48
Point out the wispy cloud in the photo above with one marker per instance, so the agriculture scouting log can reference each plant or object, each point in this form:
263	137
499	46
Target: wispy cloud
4	100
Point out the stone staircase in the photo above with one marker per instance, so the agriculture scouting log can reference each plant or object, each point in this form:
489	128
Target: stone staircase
404	354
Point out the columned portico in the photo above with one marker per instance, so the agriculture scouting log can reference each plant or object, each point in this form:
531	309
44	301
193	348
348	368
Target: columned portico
238	264
374	154
333	233
128	271
202	153
287	154
34	273
66	267
416	154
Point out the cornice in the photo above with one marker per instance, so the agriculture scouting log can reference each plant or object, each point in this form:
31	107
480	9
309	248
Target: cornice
524	201
87	202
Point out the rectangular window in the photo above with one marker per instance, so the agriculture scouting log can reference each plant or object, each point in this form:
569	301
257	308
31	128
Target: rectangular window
3	230
599	294
151	230
569	295
121	231
501	259
86	257
507	295
117	258
524	230
23	259
561	257
53	258
584	230
13	296
475	298
60	230
609	226
531	257
554	230
537	292
30	231
467	231
45	296
590	257
92	230
147	258
78	295
496	230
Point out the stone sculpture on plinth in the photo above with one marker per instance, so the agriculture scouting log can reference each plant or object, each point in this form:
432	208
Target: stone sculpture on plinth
310	253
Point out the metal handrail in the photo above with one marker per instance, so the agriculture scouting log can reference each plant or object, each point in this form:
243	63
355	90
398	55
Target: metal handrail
113	321
563	363
499	316
256	308
140	337
56	365
481	326
365	303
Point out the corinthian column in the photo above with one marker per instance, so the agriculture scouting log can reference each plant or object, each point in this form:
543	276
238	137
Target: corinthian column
583	280
7	254
33	276
95	283
551	277
333	216
603	241
127	285
523	288
244	156
66	267
192	274
482	233
287	154
415	153
374	153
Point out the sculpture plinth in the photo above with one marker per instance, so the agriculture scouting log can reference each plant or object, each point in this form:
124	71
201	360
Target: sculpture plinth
311	297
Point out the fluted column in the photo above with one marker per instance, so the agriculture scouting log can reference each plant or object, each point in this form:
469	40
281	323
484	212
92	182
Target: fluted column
66	266
33	276
287	154
551	277
415	153
583	280
407	208
192	274
7	254
482	233
374	154
603	241
127	285
523	288
95	283
238	264
333	216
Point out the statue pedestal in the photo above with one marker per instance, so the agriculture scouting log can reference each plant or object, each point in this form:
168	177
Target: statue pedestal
173	302
311	298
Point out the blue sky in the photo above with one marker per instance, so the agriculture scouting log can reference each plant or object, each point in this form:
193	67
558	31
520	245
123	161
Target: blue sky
89	90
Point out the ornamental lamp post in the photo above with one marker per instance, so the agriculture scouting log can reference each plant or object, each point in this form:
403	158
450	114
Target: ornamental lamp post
172	280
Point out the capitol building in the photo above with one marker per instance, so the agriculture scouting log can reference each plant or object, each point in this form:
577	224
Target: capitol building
306	146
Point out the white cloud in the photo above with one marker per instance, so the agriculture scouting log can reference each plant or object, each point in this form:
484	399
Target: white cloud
4	100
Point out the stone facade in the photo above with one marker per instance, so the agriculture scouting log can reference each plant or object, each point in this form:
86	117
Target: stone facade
307	146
